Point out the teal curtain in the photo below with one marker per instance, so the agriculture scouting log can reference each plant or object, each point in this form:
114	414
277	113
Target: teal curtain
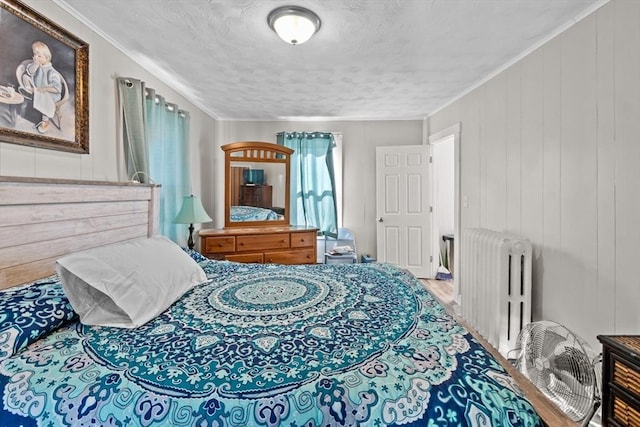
156	139
167	133
313	195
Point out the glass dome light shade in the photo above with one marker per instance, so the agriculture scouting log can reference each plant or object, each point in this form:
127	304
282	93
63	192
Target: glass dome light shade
293	24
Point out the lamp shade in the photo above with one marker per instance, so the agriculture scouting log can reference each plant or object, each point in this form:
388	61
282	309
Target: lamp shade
191	211
293	24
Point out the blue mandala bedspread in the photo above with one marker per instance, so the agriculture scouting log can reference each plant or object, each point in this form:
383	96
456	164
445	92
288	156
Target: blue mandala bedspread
268	345
251	213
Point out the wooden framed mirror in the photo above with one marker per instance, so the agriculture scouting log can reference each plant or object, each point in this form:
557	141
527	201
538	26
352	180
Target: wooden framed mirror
256	184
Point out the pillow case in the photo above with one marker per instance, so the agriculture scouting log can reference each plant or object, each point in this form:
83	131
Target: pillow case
129	283
31	312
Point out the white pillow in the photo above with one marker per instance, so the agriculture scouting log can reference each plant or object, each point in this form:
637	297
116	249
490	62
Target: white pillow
127	284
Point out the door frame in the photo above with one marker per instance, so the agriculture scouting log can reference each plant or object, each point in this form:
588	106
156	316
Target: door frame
453	130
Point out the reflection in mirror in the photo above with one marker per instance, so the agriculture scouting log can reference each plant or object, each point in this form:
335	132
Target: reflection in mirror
257	191
257	184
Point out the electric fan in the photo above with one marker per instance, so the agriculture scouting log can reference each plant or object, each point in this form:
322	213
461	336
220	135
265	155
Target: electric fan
562	366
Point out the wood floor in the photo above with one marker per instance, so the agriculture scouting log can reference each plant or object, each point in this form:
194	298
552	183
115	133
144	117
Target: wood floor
550	414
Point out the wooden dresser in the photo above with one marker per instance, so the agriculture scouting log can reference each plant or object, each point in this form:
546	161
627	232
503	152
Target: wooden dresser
256	195
620	380
278	244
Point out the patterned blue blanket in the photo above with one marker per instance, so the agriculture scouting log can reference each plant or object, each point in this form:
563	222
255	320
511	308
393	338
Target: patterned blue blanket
269	345
251	213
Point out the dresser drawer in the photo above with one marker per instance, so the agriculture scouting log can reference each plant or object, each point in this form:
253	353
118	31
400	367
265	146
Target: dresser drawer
216	245
260	242
623	412
253	257
625	376
303	240
300	256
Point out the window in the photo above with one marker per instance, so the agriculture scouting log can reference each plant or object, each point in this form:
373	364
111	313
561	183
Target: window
313	179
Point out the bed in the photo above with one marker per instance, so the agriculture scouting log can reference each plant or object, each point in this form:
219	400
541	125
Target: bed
252	213
253	345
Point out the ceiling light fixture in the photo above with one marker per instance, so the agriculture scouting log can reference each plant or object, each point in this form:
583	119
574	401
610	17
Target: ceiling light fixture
294	24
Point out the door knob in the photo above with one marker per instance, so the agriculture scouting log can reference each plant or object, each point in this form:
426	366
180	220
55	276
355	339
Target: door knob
380	219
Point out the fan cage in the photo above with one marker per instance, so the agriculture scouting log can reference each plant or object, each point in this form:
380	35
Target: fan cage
561	365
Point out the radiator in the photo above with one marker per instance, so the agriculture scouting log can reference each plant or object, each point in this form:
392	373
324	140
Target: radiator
495	285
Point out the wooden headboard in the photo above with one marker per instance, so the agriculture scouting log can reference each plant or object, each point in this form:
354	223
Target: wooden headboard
44	219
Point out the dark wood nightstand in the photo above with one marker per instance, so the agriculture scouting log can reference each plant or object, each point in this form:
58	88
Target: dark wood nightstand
620	380
256	195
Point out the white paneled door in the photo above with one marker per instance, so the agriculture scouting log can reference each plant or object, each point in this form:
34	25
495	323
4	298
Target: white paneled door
402	208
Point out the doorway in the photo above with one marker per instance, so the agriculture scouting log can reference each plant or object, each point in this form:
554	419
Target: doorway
445	185
442	182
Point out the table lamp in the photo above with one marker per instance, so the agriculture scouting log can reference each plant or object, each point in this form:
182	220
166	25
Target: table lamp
191	212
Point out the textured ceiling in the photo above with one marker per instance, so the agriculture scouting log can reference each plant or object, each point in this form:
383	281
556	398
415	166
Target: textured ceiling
371	59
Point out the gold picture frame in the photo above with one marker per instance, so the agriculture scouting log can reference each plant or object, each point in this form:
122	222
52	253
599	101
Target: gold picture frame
44	82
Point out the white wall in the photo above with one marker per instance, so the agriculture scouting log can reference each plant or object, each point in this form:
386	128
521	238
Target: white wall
359	141
550	150
106	63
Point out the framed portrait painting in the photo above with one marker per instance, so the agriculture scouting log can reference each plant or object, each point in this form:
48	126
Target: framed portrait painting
44	82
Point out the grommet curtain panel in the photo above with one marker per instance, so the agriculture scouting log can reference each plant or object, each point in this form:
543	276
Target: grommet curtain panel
131	96
313	188
156	136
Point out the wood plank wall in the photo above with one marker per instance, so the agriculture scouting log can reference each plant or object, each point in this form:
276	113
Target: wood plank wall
42	220
550	150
